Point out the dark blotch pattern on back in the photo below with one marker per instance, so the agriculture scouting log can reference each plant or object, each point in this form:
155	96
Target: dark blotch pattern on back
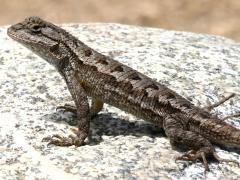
118	68
135	76
102	60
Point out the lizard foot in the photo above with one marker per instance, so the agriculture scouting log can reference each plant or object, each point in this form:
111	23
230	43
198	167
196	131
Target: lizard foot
194	155
68	108
224	99
201	154
60	140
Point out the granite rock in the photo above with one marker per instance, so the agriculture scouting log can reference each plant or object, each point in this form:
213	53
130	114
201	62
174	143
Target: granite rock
200	67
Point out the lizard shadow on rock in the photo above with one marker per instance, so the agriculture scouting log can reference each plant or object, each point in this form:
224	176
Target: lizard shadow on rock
107	124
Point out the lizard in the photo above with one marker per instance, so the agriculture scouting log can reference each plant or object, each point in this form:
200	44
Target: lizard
89	73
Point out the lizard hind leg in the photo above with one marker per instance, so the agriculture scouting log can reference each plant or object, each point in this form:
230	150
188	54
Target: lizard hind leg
200	148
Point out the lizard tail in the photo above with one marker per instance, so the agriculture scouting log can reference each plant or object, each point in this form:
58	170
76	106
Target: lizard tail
220	132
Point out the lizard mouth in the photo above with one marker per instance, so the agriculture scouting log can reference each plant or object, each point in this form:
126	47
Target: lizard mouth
16	32
11	31
29	39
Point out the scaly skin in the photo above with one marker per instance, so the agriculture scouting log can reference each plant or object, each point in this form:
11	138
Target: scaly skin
89	73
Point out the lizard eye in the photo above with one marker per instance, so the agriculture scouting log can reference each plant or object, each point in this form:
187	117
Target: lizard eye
36	28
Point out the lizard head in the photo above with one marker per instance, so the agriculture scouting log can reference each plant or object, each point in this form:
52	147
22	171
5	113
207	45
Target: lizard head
43	38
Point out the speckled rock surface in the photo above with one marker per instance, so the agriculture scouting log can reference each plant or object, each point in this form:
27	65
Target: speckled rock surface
199	67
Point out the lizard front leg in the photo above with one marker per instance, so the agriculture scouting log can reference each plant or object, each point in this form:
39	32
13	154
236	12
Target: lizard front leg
83	114
96	107
200	148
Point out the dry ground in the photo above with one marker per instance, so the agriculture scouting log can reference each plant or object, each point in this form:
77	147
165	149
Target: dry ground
219	17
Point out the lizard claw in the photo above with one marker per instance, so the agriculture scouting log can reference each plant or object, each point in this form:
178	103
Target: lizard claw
59	140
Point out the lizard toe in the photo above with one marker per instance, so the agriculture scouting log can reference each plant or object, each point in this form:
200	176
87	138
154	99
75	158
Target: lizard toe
67	108
220	160
59	140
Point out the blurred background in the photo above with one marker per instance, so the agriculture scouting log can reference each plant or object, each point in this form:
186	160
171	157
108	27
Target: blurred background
220	17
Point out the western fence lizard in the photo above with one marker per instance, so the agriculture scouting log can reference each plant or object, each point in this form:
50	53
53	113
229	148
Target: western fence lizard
91	74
